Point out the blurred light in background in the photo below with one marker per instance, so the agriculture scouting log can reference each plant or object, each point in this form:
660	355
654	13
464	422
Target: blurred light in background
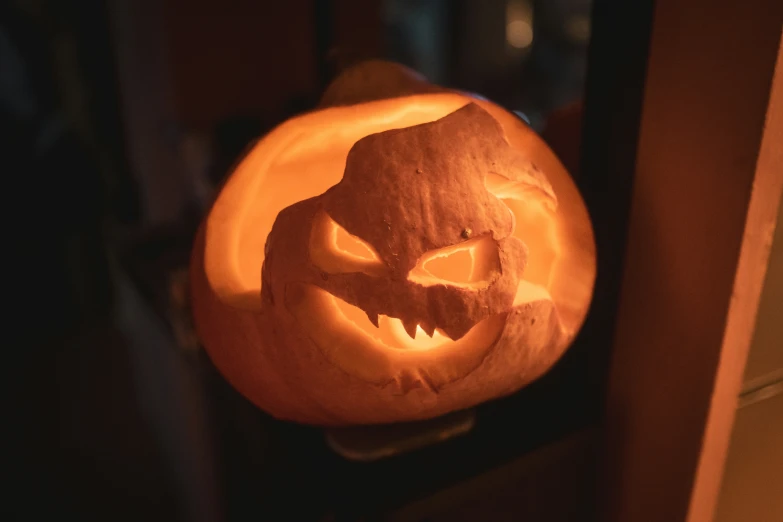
519	24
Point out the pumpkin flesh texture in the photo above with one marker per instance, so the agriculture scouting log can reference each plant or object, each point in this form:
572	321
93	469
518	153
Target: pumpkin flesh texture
341	363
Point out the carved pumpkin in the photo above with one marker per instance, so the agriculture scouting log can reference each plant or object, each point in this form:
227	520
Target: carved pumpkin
392	260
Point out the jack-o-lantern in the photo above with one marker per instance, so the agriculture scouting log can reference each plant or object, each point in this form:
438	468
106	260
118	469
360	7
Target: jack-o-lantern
392	259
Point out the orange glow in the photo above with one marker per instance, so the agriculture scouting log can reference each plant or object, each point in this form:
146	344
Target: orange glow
534	224
457	267
300	159
470	264
306	156
303	354
390	331
347	337
351	245
335	251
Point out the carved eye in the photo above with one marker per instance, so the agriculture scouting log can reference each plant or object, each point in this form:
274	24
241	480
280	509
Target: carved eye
335	251
471	264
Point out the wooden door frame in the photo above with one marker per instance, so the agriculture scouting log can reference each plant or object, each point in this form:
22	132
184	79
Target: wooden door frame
694	138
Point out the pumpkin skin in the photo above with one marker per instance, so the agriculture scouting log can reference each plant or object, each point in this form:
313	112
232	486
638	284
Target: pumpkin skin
316	334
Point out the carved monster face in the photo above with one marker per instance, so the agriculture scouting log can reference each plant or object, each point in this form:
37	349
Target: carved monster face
404	274
392	260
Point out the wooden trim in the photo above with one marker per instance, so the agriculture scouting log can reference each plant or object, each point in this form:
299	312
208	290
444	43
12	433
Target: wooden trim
751	269
706	190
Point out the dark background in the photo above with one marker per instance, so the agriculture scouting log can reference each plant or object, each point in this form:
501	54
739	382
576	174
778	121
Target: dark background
119	118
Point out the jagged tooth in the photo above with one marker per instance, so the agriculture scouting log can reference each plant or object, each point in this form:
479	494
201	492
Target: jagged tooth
410	327
373	317
428	328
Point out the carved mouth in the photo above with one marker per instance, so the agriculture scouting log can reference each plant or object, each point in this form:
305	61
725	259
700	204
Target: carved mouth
387	354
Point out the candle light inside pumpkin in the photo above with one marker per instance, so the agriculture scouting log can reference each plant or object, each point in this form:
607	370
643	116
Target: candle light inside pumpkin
383	290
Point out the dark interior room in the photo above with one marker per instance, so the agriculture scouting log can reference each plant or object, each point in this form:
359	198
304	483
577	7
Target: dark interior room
136	135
